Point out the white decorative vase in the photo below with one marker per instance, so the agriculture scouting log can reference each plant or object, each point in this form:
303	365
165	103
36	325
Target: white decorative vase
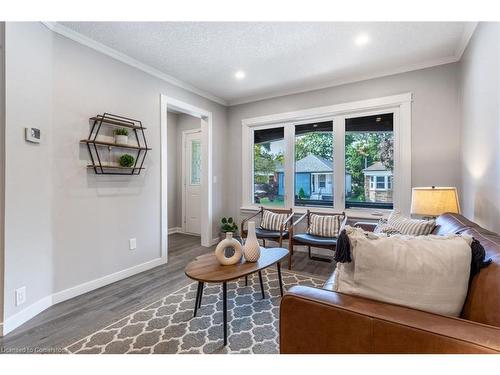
251	249
121	139
220	253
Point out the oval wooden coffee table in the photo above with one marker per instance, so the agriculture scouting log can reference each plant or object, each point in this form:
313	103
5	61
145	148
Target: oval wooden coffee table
206	269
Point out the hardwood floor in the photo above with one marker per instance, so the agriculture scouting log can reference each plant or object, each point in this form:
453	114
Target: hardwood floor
68	321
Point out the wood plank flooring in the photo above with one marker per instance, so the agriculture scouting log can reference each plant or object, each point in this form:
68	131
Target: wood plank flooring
68	321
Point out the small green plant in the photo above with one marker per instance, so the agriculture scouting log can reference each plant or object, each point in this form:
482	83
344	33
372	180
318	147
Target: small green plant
302	193
121	131
126	160
228	225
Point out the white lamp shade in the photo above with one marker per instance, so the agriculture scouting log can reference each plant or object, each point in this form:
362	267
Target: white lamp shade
434	201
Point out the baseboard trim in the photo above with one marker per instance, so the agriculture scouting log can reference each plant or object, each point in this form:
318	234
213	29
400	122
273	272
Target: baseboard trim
174	230
105	280
26	314
36	308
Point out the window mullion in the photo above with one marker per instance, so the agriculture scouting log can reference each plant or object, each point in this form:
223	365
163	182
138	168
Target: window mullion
289	164
339	162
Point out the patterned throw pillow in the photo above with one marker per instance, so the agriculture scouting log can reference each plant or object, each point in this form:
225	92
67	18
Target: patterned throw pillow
325	225
272	221
384	228
412	227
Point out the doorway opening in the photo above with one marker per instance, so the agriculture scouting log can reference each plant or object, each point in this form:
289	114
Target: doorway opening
186	179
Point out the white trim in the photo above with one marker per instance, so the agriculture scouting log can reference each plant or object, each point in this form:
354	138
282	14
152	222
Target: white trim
1	330
26	314
206	124
105	280
36	308
184	174
175	230
400	105
91	43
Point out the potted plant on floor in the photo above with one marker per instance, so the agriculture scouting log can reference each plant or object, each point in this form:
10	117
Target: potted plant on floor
121	136
229	226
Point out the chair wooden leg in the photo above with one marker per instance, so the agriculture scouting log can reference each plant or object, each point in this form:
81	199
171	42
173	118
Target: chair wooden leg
263	243
281	242
309	250
290	253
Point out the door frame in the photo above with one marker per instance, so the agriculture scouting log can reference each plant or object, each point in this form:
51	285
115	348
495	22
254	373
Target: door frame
184	173
167	103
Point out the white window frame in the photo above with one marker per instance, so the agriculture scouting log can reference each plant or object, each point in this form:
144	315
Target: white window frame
399	105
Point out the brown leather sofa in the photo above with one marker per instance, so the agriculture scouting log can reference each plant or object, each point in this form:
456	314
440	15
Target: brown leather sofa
314	320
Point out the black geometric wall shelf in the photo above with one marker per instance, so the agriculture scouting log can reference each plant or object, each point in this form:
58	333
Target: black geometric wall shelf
95	146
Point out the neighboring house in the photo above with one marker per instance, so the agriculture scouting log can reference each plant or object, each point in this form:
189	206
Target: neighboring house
378	183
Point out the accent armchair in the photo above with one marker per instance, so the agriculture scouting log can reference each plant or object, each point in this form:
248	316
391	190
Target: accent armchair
310	240
274	235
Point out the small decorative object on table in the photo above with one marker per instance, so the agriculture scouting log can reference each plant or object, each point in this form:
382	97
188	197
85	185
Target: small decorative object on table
251	249
126	160
121	136
220	250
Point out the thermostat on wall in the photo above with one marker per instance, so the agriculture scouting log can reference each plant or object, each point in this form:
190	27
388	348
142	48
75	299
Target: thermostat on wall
33	135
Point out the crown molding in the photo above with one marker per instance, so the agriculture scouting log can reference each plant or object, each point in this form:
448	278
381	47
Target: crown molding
86	41
469	29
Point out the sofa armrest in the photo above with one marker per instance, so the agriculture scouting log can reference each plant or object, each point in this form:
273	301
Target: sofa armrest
315	320
365	225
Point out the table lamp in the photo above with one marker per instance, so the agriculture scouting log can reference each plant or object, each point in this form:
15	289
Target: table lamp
434	201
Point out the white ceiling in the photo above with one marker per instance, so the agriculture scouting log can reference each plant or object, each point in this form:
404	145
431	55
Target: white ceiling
278	57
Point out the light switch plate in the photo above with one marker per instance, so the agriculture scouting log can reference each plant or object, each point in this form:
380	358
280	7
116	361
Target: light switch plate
32	135
132	244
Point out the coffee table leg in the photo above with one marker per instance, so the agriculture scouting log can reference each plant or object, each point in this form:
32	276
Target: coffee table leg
201	294
261	285
224	310
279	278
197	301
246	280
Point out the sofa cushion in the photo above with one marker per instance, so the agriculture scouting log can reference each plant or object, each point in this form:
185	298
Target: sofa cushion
309	239
429	273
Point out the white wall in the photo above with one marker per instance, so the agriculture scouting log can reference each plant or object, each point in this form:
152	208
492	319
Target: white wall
2	167
480	130
435	119
65	225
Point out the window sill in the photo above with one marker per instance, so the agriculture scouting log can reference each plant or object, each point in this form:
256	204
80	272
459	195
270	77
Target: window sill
352	213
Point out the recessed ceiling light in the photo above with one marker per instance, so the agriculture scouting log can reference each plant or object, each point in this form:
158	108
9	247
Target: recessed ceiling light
240	74
362	39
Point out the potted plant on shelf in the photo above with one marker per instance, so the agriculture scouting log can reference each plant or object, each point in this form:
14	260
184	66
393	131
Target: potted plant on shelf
126	161
121	136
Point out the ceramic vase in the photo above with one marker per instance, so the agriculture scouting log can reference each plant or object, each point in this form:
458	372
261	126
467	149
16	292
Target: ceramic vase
220	252
251	249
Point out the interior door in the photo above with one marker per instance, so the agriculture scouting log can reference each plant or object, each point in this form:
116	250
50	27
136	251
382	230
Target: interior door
192	183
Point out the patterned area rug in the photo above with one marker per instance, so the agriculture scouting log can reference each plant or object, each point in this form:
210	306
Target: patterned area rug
168	326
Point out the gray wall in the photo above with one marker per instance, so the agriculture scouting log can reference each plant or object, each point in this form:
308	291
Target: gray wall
28	167
177	123
480	131
435	121
172	169
66	226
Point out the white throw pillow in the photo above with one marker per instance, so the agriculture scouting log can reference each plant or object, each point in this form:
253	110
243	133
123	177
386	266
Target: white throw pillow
429	273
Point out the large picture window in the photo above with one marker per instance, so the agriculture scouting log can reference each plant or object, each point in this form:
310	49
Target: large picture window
349	156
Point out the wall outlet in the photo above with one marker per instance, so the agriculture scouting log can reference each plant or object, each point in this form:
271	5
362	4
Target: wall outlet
132	244
20	296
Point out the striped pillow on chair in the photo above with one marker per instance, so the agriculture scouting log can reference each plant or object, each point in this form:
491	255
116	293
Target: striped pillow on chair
412	227
272	221
325	225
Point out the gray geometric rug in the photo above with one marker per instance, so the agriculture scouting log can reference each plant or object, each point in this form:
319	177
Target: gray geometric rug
168	326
